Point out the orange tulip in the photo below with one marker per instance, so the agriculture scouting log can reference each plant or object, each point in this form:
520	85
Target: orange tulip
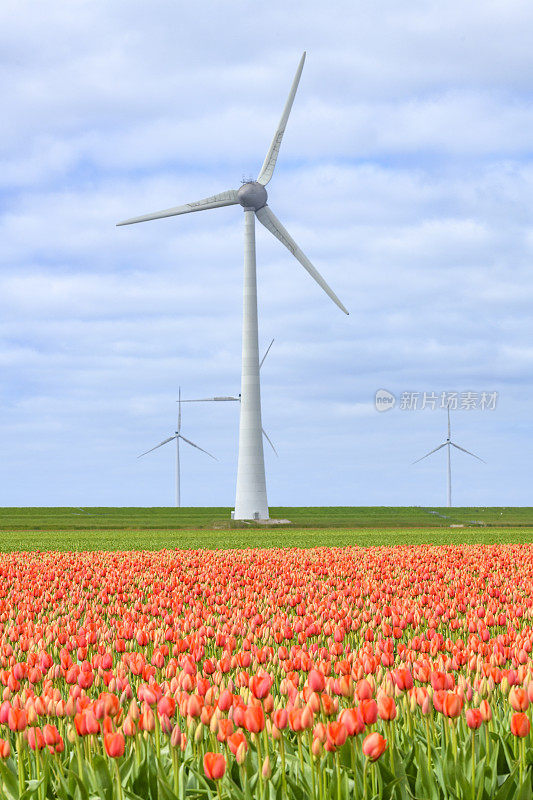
386	707
374	745
473	718
254	719
520	724
336	734
518	698
214	766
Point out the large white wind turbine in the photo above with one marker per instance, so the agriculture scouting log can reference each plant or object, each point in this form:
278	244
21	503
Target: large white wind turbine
177	436
251	496
449	444
234	398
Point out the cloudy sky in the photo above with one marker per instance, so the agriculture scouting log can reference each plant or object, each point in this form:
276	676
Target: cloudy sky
406	176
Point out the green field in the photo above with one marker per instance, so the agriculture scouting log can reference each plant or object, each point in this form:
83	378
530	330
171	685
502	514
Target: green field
50	519
157	528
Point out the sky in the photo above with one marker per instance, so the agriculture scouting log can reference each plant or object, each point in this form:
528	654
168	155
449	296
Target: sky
405	175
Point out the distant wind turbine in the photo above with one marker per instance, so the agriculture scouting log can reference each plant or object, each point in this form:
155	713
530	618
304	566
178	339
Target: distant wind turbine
449	444
235	398
251	496
177	436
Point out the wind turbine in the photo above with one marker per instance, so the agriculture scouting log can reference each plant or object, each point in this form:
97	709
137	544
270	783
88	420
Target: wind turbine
235	399
449	444
177	436
251	496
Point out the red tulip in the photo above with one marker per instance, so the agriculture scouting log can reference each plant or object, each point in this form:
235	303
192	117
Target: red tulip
336	734
225	729
353	720
254	719
386	707
280	718
114	744
214	766
452	705
369	710
16	719
316	681
518	698
520	724
473	718
374	746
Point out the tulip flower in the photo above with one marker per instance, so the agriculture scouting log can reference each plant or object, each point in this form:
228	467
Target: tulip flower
518	698
114	744
254	719
386	708
336	734
214	766
473	718
374	745
520	725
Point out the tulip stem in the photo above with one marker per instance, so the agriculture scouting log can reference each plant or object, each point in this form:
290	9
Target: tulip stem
175	770
473	765
390	727
20	763
352	747
309	738
260	763
38	769
365	793
522	759
428	740
80	759
157	736
118	781
454	746
320	786
283	776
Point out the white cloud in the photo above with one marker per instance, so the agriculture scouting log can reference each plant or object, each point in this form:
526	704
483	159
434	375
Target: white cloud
405	175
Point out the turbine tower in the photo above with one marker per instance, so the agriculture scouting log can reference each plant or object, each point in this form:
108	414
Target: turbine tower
235	398
251	496
449	444
177	436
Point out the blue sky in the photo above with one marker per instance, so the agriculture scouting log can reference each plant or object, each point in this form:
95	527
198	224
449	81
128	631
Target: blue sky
405	175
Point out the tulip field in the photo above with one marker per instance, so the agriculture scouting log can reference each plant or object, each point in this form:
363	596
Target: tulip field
299	673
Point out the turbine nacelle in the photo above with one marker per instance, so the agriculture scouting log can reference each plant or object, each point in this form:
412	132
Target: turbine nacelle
252	195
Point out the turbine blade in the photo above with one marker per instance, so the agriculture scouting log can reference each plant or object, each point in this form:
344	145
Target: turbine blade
267	218
179	409
265	434
197	447
267	352
267	170
212	400
430	453
170	438
228	198
467	451
449	428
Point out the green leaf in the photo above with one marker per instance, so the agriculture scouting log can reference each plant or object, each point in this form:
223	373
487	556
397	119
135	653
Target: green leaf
164	792
76	781
102	774
507	789
131	795
32	788
9	781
